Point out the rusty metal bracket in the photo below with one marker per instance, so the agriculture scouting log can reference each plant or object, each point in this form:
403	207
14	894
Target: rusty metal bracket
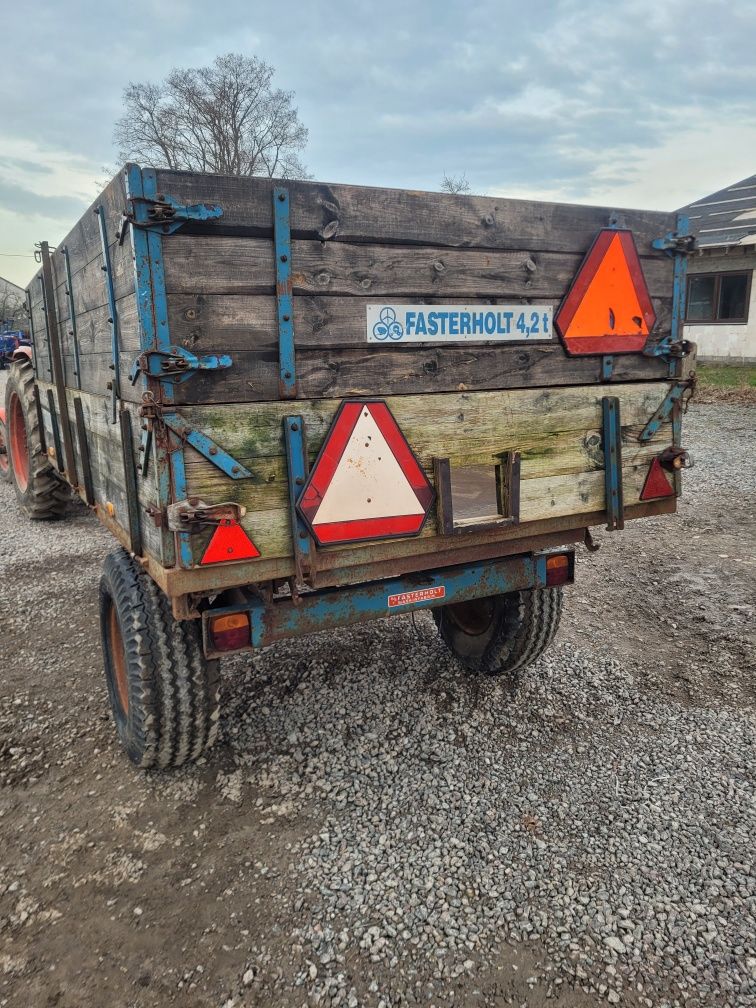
193	515
175	364
590	543
165	214
666	408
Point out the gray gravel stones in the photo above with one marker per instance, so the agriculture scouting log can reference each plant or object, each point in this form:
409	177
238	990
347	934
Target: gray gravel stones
463	815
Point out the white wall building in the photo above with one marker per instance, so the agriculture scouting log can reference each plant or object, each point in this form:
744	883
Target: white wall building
720	305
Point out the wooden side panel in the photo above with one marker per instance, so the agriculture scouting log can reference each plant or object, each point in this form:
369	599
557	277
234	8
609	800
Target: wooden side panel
352	246
401	216
557	432
90	299
106	463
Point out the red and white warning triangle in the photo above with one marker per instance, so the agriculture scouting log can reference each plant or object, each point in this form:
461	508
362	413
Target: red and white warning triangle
366	483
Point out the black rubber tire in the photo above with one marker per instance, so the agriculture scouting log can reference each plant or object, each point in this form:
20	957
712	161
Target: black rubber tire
172	711
5	473
510	631
45	496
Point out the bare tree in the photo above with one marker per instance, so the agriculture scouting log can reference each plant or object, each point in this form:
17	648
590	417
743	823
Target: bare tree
455	184
12	308
225	118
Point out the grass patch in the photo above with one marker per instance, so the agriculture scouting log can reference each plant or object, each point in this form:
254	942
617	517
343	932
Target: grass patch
727	376
726	383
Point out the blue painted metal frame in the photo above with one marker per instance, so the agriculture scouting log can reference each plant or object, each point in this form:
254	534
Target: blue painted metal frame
666	407
175	364
72	332
297	470
287	368
678	244
115	348
178	214
152	308
612	444
333	607
206	447
152	311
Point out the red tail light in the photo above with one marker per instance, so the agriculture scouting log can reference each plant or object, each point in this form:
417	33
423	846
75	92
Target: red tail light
559	568
230	632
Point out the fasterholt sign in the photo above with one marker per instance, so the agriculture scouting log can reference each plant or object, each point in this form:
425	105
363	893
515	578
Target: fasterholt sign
457	323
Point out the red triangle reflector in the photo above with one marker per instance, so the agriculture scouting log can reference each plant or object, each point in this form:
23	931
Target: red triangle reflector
657	483
229	542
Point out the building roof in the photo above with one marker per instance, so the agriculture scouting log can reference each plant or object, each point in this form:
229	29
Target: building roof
727	217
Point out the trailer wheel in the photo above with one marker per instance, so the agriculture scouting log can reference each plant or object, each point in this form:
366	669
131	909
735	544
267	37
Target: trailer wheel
163	692
41	493
502	633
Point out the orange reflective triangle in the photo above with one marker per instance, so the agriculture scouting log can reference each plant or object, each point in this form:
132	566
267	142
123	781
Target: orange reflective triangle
610	305
229	542
657	483
608	308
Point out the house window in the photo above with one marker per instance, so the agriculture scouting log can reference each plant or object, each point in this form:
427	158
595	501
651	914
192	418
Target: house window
718	297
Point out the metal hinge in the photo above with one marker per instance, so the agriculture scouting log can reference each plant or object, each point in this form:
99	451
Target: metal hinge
668	349
193	515
175	364
675	243
166	214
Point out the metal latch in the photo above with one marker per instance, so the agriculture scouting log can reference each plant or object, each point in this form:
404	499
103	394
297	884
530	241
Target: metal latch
175	364
166	214
673	458
675	243
193	515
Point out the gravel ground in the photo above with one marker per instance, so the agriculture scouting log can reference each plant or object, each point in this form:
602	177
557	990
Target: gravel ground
377	829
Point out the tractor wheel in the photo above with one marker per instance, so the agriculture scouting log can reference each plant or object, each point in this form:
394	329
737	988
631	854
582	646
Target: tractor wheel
5	473
503	633
41	492
163	691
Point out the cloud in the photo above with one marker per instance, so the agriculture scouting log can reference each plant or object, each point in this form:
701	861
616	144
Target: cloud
630	103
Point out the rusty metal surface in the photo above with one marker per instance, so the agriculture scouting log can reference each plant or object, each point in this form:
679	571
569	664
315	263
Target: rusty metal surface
543	534
329	608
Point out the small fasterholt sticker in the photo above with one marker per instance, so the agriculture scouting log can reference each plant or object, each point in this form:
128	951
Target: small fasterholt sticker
421	595
398	323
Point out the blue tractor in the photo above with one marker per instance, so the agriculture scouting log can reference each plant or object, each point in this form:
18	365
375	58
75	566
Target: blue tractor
11	339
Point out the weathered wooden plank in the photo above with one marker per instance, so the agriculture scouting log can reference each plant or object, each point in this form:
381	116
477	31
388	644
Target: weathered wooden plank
196	264
357	213
106	462
385	371
224	323
540	499
478	422
556	454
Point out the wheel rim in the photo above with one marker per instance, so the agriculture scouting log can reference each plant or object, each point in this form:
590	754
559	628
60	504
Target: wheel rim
473	617
4	464
118	656
18	442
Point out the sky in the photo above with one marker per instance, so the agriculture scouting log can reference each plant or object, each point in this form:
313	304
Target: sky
630	103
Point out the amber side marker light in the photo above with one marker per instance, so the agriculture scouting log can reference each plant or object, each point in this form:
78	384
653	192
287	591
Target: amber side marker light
559	569
230	632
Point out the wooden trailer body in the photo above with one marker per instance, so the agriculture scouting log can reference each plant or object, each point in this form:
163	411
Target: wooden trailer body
190	322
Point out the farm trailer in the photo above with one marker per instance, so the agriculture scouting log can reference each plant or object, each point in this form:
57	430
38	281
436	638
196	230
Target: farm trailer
298	406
